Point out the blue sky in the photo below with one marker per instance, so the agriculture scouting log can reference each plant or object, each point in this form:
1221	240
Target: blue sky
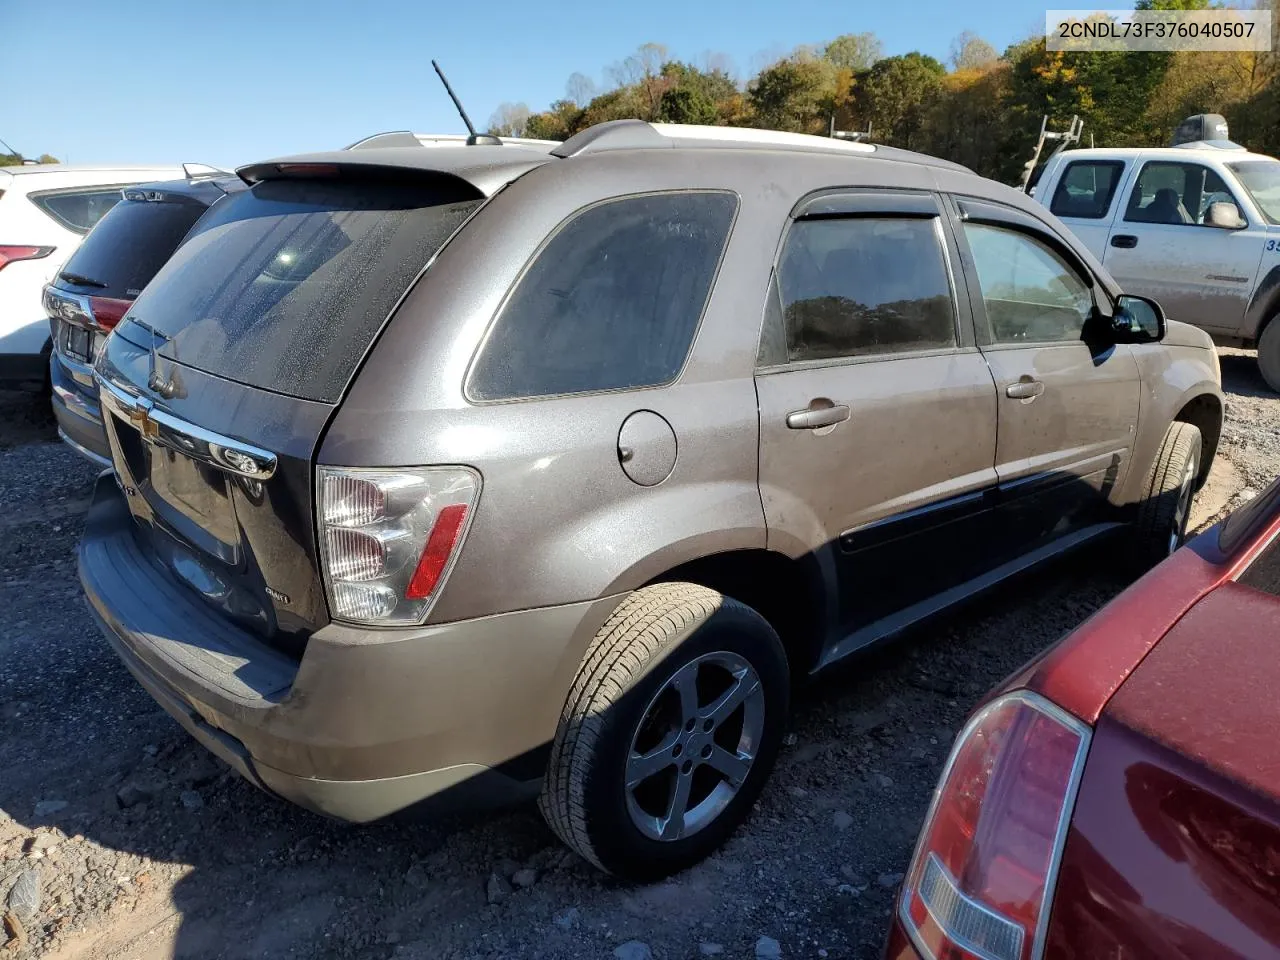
95	81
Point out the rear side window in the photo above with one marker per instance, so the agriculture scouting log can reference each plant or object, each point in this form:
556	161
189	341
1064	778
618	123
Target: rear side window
131	243
859	286
1086	189
78	210
612	301
285	286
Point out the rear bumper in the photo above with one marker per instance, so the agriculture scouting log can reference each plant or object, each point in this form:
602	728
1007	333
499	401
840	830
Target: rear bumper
78	414
367	723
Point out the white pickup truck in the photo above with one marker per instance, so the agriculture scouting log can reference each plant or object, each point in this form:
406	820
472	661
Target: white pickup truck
1195	227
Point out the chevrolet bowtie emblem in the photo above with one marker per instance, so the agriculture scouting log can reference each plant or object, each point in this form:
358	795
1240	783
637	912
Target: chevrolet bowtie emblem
140	415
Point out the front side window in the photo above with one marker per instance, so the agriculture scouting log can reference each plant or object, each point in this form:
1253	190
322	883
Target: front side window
78	210
1086	189
1031	295
860	286
1175	193
611	302
1262	179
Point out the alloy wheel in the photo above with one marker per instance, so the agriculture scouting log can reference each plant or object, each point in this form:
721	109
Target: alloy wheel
694	746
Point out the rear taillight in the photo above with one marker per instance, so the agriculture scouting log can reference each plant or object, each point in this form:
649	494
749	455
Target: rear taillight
389	537
982	879
10	253
108	311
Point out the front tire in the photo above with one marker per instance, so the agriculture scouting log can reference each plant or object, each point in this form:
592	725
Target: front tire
669	732
1269	354
1166	506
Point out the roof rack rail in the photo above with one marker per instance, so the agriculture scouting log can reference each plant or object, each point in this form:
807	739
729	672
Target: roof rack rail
196	171
404	138
640	135
394	138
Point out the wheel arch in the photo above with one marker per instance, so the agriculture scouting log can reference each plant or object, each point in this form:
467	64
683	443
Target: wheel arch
1264	305
791	594
1203	411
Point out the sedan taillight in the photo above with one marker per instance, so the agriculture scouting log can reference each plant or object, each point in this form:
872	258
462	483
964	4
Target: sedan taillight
982	879
389	537
12	252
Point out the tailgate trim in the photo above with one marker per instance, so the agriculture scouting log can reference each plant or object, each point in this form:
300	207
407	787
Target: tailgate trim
159	427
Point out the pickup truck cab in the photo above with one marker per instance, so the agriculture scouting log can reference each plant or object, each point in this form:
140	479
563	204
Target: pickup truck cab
1196	227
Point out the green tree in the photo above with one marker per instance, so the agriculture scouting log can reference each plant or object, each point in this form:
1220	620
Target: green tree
854	51
794	94
895	94
686	105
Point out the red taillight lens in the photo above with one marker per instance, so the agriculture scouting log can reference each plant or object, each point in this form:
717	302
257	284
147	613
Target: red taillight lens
444	535
983	873
13	252
108	311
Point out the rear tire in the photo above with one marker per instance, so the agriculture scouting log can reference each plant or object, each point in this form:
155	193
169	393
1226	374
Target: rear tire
1161	525
1269	354
639	731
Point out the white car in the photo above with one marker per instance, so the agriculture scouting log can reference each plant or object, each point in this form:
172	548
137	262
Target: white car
1195	227
45	211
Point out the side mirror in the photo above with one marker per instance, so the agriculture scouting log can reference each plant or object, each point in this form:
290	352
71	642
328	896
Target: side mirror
1137	320
1224	215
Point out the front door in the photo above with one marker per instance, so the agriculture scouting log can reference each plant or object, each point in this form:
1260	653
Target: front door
877	413
1161	247
1067	407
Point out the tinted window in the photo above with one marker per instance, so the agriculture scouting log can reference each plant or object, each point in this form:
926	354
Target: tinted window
285	286
852	287
78	211
611	302
132	242
1086	189
1031	296
1177	193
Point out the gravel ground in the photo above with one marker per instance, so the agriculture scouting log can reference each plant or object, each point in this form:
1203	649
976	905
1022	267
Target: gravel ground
119	837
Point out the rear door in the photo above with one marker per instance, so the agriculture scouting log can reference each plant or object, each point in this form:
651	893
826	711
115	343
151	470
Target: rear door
1068	406
219	381
1161	247
877	412
1084	198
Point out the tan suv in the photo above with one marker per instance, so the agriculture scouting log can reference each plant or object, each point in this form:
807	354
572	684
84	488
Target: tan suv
481	472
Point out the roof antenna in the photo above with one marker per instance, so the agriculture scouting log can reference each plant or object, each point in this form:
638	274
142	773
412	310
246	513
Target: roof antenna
474	138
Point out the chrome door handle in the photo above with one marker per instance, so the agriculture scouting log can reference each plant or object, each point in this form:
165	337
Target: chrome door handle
1024	390
820	413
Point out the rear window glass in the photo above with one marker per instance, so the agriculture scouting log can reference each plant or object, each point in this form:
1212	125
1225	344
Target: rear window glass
285	286
612	302
1086	189
131	243
78	210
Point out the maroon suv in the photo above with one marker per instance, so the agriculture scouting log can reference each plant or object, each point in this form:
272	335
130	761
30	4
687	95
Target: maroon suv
1120	796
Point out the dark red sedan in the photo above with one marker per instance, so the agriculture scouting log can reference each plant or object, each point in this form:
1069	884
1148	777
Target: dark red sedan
1119	798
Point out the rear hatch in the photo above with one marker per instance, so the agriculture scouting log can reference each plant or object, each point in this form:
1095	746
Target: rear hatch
110	268
219	382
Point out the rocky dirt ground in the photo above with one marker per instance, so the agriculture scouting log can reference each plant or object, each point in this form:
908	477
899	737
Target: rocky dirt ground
120	838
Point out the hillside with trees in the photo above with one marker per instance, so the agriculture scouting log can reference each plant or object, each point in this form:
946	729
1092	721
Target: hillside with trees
982	109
